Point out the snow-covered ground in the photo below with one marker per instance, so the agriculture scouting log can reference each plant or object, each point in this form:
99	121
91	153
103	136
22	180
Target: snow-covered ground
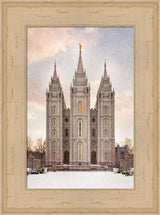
81	179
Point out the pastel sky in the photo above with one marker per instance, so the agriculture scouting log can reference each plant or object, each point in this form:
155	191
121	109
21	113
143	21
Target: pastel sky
47	45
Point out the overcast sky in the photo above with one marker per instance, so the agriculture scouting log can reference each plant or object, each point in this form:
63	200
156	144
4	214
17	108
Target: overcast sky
47	45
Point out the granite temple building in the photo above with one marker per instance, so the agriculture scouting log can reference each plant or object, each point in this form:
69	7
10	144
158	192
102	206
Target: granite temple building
80	137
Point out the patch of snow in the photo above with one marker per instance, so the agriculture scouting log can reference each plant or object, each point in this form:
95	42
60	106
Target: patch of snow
80	179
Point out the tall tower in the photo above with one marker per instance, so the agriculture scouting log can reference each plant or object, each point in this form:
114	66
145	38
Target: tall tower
106	119
54	116
80	117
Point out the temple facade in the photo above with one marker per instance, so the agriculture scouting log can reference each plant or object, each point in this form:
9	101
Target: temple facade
80	137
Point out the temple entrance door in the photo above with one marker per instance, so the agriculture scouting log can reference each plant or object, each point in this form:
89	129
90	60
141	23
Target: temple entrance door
66	157
93	158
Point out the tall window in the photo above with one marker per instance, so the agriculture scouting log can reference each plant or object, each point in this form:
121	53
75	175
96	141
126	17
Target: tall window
122	155
106	123
79	107
54	122
93	119
106	133
66	132
54	145
54	156
54	133
106	110
105	156
54	109
79	128
79	151
93	132
107	145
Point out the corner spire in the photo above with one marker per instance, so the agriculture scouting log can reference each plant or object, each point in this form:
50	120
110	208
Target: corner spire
80	64
55	72
105	71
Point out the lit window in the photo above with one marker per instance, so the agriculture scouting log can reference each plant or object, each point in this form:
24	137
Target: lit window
79	128
106	110
79	107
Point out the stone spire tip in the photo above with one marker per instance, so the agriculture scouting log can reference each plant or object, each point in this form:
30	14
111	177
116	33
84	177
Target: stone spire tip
55	72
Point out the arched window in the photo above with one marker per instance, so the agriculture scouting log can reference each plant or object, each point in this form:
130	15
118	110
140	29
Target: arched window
106	122
66	157
66	142
54	133
106	133
54	109
79	107
54	122
93	132
54	145
79	151
66	119
106	110
122	155
105	156
93	142
79	128
93	157
54	156
93	119
66	132
106	145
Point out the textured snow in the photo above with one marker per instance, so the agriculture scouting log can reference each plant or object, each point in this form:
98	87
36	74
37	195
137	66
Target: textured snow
80	179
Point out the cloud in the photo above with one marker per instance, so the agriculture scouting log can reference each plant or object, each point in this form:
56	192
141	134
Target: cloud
124	103
31	115
48	42
36	93
94	88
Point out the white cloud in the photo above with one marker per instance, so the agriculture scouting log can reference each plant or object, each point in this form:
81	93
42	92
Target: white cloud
31	115
124	103
48	42
94	88
36	93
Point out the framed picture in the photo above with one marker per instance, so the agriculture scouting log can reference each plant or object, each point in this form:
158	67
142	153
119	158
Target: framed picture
23	26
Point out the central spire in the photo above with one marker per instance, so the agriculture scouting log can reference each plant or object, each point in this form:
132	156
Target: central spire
80	64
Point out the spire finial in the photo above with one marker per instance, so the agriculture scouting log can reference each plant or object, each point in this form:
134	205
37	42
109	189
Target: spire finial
80	47
80	64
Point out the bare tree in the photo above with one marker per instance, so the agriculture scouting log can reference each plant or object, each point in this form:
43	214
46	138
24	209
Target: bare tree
29	143
129	142
41	145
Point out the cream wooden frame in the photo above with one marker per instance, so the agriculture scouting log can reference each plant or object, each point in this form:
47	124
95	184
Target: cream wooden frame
16	16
